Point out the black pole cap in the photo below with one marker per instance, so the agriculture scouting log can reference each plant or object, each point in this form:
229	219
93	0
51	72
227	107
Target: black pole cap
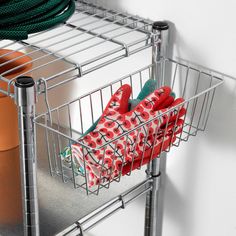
160	25
24	82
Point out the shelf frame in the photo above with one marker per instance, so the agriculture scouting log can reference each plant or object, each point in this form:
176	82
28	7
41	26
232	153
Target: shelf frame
112	32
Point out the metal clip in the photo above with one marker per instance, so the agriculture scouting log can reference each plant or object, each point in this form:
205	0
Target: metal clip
80	228
121	198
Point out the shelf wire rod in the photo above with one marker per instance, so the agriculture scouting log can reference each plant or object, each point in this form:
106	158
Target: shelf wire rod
102	36
174	76
194	105
60	146
145	29
117	209
48	148
184	120
76	27
53	37
205	112
31	37
165	131
42	81
88	70
115	200
155	140
112	166
208	114
48	38
123	157
191	67
133	17
119	206
91	108
141	80
131	84
133	158
103	168
92	69
113	52
81	116
14	43
67	47
139	126
85	173
185	83
173	130
62	57
105	86
102	102
145	142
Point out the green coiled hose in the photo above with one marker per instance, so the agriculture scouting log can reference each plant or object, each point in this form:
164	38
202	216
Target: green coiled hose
18	18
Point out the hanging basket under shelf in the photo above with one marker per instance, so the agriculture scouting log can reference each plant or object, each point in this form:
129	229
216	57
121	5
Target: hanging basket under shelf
65	124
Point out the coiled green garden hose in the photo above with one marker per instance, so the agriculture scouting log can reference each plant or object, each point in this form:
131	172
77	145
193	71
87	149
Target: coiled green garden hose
18	18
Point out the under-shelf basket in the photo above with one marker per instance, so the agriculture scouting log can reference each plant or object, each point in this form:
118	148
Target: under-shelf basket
65	124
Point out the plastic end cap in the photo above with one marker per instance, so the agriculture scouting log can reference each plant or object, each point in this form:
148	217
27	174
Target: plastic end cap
24	82
160	25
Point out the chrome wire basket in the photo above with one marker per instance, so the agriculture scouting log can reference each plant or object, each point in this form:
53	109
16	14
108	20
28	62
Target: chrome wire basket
66	124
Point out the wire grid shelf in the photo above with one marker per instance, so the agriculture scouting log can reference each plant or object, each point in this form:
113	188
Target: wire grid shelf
65	124
93	37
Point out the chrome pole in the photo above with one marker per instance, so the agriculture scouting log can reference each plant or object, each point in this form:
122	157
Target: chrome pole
25	98
157	168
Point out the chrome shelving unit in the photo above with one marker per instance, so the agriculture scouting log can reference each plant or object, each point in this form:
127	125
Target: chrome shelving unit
99	36
102	37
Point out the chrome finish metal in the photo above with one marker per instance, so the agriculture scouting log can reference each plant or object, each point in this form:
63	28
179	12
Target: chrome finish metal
108	209
93	26
25	97
154	200
118	34
63	131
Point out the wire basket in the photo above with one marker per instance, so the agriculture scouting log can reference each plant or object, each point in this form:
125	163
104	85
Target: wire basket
65	125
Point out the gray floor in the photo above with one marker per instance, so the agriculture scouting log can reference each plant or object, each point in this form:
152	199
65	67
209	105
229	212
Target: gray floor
60	204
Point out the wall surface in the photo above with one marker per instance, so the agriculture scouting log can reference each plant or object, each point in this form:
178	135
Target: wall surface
201	192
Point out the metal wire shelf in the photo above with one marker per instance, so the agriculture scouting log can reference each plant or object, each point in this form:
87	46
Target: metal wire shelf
94	37
65	124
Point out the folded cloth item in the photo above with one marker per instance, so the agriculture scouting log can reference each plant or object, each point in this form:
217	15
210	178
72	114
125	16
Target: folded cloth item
148	88
103	158
66	158
150	153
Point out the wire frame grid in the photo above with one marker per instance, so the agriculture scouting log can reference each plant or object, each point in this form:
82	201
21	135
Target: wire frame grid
65	124
93	37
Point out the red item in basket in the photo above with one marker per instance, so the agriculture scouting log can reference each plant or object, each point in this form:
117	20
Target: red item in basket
108	150
153	152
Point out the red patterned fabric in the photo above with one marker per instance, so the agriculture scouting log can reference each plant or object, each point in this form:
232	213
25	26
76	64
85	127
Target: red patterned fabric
109	155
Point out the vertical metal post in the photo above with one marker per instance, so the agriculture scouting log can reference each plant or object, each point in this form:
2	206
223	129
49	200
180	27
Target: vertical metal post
157	168
25	98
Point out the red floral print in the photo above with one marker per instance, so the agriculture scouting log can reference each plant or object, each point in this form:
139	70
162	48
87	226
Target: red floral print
126	124
110	124
136	145
94	134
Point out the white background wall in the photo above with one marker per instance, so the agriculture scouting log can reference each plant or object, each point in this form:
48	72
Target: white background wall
201	189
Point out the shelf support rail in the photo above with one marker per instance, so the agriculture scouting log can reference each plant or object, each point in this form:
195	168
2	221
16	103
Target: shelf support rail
108	209
157	168
25	99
